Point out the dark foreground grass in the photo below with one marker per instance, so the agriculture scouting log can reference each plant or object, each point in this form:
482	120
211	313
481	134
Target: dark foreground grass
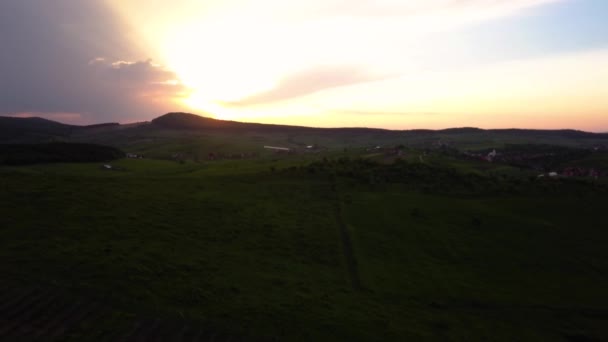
254	252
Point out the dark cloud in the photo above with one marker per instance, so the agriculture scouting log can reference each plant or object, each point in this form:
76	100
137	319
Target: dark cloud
141	78
46	49
311	81
135	72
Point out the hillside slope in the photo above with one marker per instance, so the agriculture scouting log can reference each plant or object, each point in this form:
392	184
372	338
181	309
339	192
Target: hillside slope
189	133
31	130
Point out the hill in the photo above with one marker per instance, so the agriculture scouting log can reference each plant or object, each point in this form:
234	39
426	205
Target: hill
368	235
196	122
284	249
196	135
39	130
31	129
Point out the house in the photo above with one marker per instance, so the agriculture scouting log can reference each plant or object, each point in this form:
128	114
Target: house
490	157
276	148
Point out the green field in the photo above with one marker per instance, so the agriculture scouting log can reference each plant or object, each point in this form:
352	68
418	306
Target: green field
340	249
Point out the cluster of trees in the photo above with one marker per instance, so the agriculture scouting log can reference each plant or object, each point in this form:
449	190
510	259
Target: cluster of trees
435	178
425	177
20	154
540	157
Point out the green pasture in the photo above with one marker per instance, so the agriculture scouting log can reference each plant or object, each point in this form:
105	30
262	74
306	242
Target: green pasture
254	247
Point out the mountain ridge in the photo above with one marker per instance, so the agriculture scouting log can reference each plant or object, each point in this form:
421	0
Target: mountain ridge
182	120
175	126
179	119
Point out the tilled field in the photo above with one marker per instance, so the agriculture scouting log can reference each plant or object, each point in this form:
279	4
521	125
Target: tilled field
34	314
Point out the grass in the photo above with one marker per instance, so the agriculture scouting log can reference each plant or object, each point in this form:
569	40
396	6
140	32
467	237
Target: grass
249	250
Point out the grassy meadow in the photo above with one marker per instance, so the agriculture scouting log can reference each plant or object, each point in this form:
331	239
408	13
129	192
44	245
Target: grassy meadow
314	248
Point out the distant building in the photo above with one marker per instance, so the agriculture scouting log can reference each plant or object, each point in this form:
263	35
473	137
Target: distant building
490	157
277	148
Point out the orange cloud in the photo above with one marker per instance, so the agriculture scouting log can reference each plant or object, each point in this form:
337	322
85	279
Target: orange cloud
310	81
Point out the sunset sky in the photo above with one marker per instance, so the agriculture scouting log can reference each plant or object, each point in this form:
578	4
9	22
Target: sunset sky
395	64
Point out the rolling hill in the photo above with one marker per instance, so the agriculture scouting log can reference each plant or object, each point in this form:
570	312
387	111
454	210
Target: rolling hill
371	235
192	134
31	130
38	130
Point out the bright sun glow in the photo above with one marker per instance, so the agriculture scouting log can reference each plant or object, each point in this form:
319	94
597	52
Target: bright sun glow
199	101
308	62
219	63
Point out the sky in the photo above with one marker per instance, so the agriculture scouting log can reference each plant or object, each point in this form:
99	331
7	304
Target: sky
397	64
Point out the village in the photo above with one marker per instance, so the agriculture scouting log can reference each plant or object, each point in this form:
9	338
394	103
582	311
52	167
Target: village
553	163
550	162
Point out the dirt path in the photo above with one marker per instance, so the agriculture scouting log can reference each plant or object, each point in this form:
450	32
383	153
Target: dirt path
347	245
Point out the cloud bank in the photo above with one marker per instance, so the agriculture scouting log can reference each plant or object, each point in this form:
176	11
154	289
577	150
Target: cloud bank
49	58
408	8
139	78
311	81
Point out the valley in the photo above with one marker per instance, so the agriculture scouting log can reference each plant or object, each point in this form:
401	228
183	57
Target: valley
367	235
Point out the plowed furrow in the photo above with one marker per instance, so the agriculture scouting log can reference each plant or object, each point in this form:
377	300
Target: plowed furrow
15	300
180	334
52	322
165	332
26	324
195	335
18	323
62	327
146	331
